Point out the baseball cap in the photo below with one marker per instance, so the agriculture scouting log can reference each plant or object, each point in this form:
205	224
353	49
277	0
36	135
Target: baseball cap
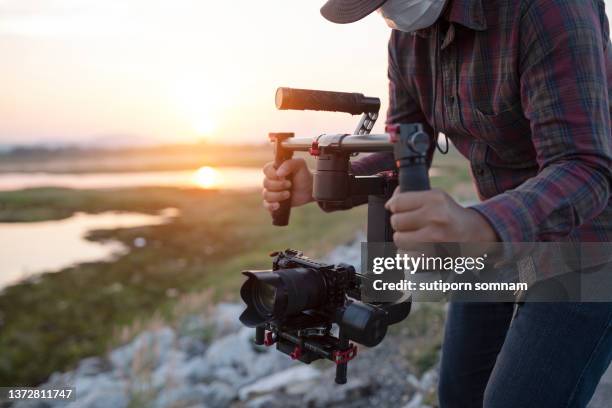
349	11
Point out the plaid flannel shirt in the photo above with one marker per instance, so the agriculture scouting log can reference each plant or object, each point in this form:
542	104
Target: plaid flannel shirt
522	88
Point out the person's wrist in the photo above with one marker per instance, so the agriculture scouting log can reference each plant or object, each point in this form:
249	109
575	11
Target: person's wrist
481	229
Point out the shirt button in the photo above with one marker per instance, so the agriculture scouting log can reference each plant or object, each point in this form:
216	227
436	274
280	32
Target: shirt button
451	99
479	170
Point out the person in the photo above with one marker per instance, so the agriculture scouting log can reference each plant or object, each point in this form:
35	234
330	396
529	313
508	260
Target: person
522	89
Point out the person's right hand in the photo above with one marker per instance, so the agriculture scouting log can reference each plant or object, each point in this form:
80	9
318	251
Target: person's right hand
277	188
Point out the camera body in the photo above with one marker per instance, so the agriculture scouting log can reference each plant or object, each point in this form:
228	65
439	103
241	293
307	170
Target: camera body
296	304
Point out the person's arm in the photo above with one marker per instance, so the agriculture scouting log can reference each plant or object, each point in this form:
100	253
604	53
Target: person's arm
402	109
564	90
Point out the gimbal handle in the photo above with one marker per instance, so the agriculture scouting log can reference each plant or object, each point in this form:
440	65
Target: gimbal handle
280	217
307	99
410	147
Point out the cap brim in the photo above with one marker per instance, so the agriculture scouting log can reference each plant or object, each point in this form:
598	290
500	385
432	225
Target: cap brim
349	11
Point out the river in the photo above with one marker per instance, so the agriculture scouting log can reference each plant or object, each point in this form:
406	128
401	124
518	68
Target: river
205	177
53	245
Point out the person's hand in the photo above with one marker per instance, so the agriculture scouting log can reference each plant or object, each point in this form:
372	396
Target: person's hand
277	188
433	216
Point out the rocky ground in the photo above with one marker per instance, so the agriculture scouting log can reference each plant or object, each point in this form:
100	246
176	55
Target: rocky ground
210	361
179	368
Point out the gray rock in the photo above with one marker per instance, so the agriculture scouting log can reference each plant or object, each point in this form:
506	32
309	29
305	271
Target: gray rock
414	381
191	346
121	357
182	396
268	362
234	350
31	404
102	399
603	393
86	385
279	381
416	401
237	378
429	380
226	318
219	394
193	326
91	366
60	379
146	351
328	393
349	253
197	370
171	371
264	401
100	391
163	342
299	388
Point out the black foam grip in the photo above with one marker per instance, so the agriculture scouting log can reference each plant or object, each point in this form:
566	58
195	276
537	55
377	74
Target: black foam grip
304	99
280	217
413	177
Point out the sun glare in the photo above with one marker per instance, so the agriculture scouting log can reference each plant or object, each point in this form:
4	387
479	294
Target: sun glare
206	177
198	102
204	127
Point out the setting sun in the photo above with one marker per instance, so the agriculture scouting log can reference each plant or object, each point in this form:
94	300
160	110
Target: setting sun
204	127
199	103
206	177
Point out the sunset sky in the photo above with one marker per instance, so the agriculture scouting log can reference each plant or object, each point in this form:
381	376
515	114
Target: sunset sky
150	71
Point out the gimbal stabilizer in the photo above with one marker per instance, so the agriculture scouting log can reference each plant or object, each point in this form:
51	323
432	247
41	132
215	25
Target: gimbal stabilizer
295	304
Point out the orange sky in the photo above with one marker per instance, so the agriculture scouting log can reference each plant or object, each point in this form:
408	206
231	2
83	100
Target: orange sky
176	70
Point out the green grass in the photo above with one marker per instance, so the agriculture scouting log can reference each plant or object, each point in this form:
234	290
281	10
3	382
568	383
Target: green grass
155	158
77	312
65	316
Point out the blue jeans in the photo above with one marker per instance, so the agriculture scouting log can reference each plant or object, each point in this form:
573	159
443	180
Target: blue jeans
546	355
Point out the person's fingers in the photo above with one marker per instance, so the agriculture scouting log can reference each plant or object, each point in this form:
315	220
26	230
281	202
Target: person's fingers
274	196
271	206
289	167
412	200
270	172
401	202
404	240
409	220
276	185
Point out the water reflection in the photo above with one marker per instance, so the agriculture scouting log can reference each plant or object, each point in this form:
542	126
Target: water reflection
207	177
30	248
204	177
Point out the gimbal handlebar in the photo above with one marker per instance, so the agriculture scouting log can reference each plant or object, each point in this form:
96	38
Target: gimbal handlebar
334	182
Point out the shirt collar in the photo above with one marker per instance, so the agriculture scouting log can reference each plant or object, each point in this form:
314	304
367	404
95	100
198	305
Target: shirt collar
468	13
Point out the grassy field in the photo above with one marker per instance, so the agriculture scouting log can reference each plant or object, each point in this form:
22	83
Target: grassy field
65	316
48	324
155	158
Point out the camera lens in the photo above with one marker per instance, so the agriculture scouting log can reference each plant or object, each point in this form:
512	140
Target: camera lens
265	295
276	295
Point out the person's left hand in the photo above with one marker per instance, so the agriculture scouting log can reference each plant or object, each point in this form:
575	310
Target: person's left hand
433	216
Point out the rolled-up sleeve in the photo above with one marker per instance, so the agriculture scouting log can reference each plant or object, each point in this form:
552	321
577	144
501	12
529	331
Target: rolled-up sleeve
402	109
564	93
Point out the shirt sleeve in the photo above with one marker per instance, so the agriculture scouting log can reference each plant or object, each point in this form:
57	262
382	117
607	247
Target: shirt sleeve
403	108
564	93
